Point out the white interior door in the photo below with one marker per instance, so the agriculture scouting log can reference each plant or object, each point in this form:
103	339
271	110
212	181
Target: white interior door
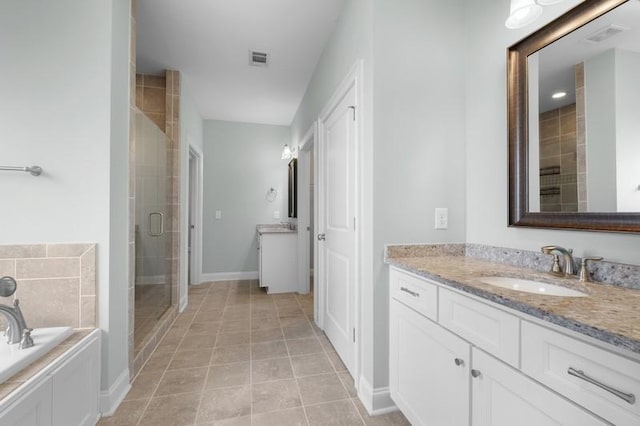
339	261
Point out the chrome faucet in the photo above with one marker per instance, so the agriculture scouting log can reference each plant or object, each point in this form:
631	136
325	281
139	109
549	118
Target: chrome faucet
17	330
568	265
16	323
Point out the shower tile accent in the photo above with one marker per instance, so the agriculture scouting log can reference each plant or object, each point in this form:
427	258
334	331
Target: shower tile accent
558	160
56	283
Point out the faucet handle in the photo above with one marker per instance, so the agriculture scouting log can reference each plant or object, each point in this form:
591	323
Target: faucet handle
584	268
27	340
555	269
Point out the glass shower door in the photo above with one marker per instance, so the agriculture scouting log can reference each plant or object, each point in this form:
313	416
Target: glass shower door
153	239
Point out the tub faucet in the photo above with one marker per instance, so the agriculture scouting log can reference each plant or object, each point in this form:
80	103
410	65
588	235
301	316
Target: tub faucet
15	320
568	266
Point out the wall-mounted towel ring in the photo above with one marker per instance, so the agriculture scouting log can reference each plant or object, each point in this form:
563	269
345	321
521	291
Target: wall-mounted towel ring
272	194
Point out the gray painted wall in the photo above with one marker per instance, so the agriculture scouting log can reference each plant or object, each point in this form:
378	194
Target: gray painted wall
191	133
418	136
65	107
241	162
352	40
600	129
486	147
413	137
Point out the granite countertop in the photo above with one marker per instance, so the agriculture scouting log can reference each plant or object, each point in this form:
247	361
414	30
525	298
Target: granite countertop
18	379
275	228
611	313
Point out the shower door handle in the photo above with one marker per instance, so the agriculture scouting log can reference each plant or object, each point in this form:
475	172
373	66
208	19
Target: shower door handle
156	234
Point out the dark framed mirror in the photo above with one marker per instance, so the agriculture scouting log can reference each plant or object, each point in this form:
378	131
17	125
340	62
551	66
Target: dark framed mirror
574	126
293	188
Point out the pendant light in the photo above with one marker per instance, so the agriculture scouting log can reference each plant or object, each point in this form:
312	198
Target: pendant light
522	13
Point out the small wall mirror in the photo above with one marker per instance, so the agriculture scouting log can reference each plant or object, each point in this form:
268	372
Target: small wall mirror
574	121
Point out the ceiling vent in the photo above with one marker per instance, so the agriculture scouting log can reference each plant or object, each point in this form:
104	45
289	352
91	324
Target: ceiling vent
258	59
605	33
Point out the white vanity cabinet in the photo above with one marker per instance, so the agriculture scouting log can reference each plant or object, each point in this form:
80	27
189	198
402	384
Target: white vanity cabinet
429	370
503	396
277	261
64	393
457	362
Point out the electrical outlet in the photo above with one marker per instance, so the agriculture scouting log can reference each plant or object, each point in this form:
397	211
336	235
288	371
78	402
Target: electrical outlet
442	218
218	214
276	214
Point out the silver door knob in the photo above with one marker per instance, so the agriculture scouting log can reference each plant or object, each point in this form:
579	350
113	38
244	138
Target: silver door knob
321	237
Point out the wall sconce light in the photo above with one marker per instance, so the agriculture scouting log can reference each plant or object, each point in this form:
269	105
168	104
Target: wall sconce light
287	154
548	2
522	13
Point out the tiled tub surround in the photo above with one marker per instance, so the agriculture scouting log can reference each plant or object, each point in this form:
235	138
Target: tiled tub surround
56	283
610	314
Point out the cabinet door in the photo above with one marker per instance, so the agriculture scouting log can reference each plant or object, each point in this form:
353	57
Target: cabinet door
33	409
260	279
429	370
76	387
503	396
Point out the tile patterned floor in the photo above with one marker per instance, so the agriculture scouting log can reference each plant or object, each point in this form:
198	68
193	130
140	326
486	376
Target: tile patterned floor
237	357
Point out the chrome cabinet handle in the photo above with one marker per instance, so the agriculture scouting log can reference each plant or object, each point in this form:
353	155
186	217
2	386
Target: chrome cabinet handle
475	373
458	362
321	237
413	293
156	234
629	397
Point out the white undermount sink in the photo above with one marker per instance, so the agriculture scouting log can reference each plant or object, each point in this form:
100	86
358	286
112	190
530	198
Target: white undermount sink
530	286
13	359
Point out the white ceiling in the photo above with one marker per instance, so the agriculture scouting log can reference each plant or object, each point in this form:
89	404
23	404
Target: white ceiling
209	42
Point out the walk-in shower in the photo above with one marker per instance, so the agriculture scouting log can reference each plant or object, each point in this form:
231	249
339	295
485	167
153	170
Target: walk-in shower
153	241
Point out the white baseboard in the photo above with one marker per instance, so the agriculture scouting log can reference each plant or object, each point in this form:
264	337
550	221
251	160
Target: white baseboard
377	401
110	399
229	276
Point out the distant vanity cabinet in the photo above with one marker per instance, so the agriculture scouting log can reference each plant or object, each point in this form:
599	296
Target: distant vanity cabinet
458	360
277	259
64	393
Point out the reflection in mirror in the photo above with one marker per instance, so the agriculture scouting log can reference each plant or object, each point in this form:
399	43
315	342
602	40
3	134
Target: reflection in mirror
584	117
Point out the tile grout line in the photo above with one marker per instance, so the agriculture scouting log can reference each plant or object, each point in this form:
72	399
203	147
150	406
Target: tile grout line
293	372
206	376
155	388
250	357
335	370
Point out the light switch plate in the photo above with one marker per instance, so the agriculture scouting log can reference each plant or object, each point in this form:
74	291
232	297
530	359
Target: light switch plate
218	214
276	214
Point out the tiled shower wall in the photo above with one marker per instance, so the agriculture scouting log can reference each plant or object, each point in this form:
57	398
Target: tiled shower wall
159	98
558	170
151	97
56	283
